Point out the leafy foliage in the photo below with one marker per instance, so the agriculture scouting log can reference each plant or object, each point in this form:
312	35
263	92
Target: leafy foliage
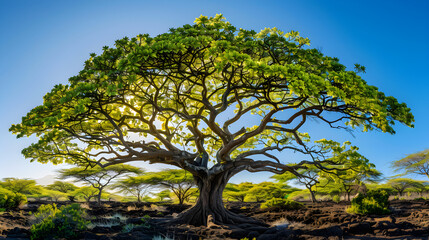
268	190
237	192
52	222
11	200
401	184
24	186
98	177
163	194
86	192
133	185
280	203
336	199
185	79
62	186
416	163
373	202
180	182
164	99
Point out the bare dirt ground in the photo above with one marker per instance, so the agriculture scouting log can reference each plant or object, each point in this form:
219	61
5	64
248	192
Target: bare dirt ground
325	220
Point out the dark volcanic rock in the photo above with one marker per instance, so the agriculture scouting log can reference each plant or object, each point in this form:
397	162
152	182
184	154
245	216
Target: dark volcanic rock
326	232
18	233
252	234
99	229
268	237
238	233
359	228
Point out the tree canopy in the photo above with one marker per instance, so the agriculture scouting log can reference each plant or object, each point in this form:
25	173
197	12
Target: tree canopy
62	186
401	184
209	98
180	182
19	185
416	163
98	177
133	185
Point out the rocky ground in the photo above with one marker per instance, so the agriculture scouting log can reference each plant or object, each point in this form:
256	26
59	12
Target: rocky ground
326	220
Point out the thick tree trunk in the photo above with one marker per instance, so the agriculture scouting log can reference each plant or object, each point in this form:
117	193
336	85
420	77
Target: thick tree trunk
210	203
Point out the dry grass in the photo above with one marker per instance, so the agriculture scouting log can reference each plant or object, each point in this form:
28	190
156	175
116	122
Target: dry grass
154	207
85	206
132	208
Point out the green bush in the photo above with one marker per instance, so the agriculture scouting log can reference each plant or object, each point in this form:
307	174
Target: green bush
336	199
374	202
280	203
11	200
52	222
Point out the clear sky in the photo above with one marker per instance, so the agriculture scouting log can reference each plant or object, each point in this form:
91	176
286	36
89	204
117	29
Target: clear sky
43	43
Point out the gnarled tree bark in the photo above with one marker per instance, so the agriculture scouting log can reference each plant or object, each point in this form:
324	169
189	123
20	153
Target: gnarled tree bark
210	203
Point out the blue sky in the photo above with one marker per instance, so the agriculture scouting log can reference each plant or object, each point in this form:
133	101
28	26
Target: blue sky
43	43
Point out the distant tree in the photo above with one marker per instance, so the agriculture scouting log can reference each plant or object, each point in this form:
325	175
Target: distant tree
401	184
98	177
268	190
420	188
237	192
24	186
133	185
86	192
355	170
62	186
180	182
54	195
416	163
163	194
306	177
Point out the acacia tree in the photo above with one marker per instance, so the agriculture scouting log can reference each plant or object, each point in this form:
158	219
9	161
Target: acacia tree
86	192
180	182
98	177
237	192
180	99
355	171
62	186
307	177
268	190
416	163
401	184
163	194
21	185
133	185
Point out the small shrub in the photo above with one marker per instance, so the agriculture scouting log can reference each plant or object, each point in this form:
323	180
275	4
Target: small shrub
280	203
128	228
52	222
336	199
145	221
11	200
160	214
374	202
420	199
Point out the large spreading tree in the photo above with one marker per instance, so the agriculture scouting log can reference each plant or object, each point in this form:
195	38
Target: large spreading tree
208	98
